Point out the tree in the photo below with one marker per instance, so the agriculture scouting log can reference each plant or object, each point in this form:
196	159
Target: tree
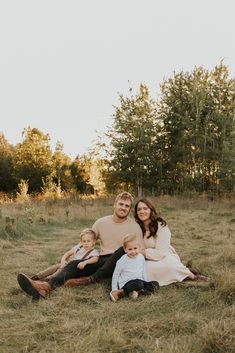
94	166
81	176
197	113
33	158
133	157
61	168
7	180
223	89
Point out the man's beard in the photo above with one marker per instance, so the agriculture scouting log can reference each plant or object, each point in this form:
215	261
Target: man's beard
121	216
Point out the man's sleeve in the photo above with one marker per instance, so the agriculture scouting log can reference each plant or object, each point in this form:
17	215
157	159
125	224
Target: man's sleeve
95	228
139	234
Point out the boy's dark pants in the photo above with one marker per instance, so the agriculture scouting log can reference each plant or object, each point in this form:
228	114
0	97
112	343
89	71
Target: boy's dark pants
108	266
102	269
140	285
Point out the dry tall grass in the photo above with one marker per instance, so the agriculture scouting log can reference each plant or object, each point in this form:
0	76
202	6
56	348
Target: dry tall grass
181	318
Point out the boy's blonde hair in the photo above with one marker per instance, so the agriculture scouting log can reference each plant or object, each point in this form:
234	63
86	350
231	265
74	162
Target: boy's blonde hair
88	231
128	238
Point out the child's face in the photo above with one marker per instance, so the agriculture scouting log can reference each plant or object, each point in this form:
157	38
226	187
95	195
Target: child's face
88	241
132	248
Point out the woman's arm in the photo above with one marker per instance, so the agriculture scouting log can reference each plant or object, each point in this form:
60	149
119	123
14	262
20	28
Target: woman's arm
163	245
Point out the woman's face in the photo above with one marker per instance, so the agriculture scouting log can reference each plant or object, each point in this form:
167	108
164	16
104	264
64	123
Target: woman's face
143	212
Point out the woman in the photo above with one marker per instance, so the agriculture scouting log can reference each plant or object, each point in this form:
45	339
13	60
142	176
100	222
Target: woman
163	264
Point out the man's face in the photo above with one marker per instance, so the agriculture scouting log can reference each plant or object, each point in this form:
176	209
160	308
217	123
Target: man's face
122	208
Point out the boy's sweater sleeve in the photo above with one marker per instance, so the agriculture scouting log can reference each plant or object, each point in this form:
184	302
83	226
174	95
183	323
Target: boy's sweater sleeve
145	277
116	273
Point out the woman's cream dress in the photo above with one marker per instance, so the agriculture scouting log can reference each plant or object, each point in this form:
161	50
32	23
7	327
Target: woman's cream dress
162	262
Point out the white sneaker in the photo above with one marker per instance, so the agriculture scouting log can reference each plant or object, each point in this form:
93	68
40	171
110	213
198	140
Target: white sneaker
134	294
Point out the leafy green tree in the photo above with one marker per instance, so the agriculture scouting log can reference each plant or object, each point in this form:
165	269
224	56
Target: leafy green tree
81	175
133	158
61	168
197	113
33	158
94	165
223	89
7	181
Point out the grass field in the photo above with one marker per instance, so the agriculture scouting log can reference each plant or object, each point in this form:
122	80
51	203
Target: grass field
181	318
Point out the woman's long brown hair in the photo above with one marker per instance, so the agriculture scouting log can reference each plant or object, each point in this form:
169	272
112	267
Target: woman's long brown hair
154	218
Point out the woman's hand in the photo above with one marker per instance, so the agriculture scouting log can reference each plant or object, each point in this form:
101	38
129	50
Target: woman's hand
142	251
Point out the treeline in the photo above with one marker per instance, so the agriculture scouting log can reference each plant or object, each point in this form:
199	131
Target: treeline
182	142
32	164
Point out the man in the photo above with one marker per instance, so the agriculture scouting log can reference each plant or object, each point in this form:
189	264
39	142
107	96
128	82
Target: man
110	230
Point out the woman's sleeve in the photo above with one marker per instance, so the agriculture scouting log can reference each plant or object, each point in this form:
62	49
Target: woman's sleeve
163	245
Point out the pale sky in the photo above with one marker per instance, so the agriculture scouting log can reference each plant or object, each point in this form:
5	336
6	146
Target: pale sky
63	62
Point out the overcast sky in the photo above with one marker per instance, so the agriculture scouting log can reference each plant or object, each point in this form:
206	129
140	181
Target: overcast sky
63	62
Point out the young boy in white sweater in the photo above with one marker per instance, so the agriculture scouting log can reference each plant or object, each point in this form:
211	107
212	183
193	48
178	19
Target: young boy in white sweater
129	277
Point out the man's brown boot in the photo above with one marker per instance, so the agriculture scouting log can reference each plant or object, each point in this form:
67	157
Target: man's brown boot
74	282
36	289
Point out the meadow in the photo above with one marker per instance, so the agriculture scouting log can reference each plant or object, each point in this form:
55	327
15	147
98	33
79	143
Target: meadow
181	318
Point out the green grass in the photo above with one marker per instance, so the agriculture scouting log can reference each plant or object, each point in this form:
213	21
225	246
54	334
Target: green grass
181	318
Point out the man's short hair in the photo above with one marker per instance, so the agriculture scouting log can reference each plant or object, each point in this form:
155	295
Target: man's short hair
124	196
128	238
